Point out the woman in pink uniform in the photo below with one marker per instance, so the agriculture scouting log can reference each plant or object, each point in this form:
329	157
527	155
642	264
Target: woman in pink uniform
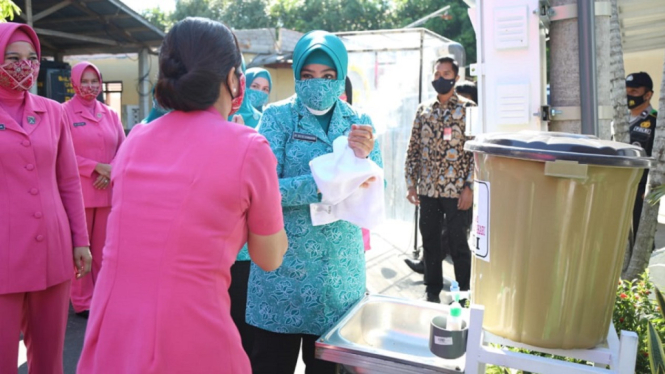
189	189
42	221
97	134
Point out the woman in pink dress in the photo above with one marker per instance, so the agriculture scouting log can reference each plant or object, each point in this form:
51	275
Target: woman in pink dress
97	134
189	189
42	221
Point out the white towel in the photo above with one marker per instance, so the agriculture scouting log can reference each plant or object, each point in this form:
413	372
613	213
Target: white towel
338	176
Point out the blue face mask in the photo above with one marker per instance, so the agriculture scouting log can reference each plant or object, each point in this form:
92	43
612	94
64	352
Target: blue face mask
257	98
319	94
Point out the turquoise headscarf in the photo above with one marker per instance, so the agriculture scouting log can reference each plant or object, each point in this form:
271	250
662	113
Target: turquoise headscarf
321	41
156	111
320	57
249	114
253	73
319	94
258	98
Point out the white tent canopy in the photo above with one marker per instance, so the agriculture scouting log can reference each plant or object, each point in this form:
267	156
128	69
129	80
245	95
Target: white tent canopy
391	71
642	24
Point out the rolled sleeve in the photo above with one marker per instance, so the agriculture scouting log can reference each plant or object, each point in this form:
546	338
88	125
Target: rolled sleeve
264	215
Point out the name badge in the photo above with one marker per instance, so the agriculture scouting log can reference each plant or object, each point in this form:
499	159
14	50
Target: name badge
642	130
77	124
305	137
2	127
448	134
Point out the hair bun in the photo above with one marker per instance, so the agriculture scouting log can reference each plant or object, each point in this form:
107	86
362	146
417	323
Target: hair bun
194	61
166	92
172	67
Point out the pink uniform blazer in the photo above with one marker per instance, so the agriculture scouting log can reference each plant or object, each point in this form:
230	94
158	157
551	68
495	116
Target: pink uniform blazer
187	189
41	206
96	138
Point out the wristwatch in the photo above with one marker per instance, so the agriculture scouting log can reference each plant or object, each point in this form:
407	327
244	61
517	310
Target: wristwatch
469	184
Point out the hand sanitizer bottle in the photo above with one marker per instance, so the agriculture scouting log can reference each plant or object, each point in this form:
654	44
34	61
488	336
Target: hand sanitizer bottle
454	320
454	291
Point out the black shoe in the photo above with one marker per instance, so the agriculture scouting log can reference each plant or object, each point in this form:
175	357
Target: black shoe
418	267
431	297
84	314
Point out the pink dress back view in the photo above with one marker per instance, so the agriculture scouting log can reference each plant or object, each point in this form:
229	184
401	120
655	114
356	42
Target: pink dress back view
187	189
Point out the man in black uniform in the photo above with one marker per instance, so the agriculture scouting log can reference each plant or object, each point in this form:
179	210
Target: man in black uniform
639	90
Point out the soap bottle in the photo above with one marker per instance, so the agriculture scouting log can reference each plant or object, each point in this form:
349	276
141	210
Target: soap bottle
454	320
454	291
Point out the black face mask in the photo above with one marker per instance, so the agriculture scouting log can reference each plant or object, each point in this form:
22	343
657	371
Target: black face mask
635	101
443	86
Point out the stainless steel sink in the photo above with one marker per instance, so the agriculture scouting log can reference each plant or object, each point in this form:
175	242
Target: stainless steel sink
387	335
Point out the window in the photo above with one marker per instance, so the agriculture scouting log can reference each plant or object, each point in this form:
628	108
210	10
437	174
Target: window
113	95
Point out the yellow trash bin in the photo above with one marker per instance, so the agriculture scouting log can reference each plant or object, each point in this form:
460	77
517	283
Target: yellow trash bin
551	220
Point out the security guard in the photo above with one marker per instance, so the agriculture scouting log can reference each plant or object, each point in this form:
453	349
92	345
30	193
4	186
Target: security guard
639	90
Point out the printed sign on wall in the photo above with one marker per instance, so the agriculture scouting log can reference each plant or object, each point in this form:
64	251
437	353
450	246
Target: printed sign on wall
480	230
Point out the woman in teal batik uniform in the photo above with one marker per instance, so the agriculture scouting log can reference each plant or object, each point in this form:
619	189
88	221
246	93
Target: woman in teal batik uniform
248	116
259	83
323	273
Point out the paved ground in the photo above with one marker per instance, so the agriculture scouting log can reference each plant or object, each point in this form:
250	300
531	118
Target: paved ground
386	274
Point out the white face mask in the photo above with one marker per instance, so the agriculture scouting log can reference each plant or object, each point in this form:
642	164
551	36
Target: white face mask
318	112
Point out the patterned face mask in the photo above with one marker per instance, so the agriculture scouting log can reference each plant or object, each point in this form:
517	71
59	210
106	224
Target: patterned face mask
19	75
318	93
237	100
257	98
87	92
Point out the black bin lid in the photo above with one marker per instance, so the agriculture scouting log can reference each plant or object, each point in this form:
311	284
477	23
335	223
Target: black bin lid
553	146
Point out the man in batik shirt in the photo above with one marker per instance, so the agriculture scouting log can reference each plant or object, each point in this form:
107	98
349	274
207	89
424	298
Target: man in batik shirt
439	178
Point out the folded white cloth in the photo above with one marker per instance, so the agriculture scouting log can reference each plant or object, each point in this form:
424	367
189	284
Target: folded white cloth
338	176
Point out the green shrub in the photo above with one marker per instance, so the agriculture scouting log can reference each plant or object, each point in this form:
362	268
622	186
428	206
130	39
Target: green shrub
633	311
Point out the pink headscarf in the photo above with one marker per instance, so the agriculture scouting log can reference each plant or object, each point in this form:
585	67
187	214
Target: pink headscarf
20	36
11	32
12	101
77	75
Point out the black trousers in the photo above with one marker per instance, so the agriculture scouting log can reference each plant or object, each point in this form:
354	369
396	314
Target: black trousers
238	294
437	215
637	210
276	353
